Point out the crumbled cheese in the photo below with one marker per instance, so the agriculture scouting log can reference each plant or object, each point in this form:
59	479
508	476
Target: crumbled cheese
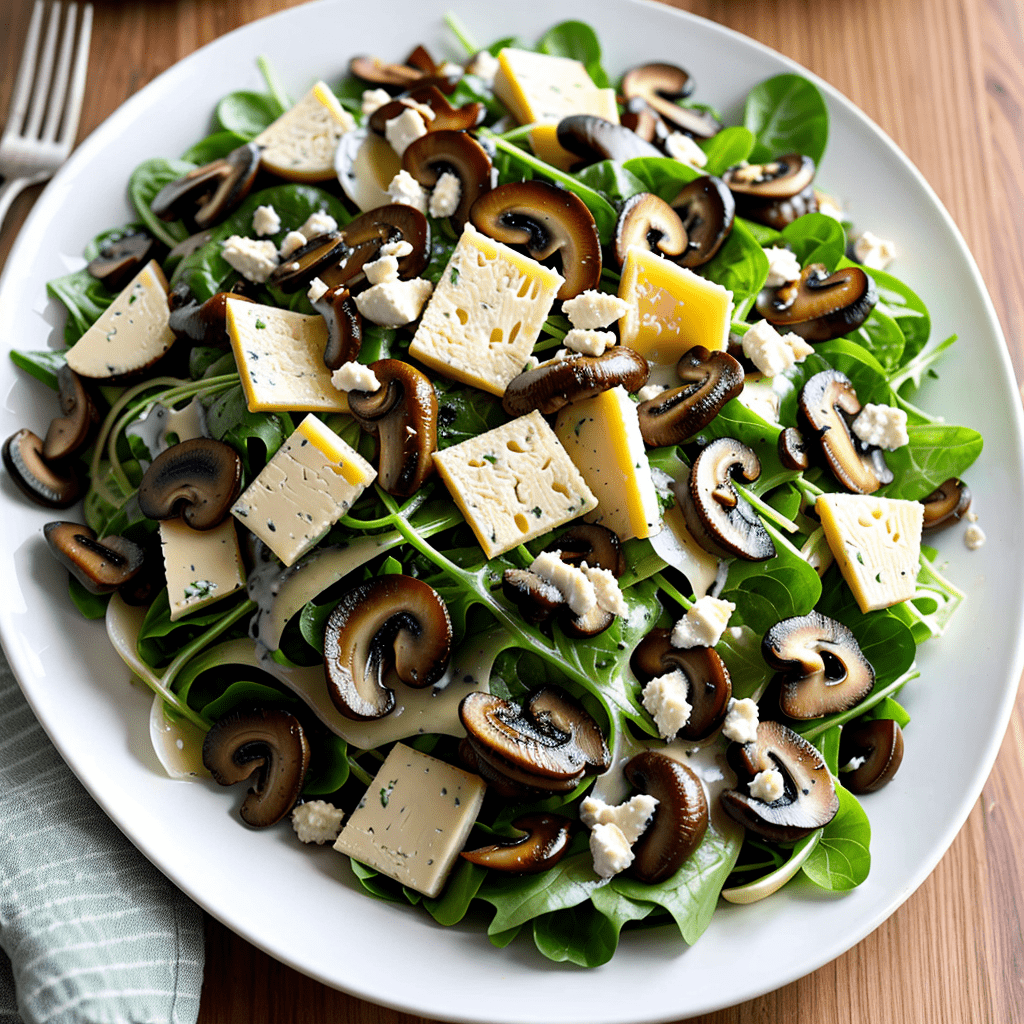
606	588
317	822
593	309
882	425
874	252
317	290
402	131
610	850
649	391
771	352
254	260
318	223
767	785
760	398
407	191
398	248
829	205
291	242
485	66
974	536
665	698
631	818
266	221
374	99
589	343
444	200
395	303
578	591
703	624
783	266
355	377
382	270
853	764
741	721
681	147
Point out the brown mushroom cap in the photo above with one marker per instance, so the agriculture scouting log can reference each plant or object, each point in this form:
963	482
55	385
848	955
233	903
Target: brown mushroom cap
650	223
673	416
536	599
69	432
594	139
120	259
402	413
308	261
680	819
658	84
446	117
639	117
707	210
592	543
820	306
824	670
809	800
365	235
544	220
380	72
269	743
452	152
198	480
792	449
391	625
946	505
53	486
209	193
203	323
100	566
545	843
829	404
552	706
558	382
779	179
880	742
719	518
344	326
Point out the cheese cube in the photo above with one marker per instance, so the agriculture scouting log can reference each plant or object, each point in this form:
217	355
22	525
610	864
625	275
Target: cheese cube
309	484
544	138
877	543
202	566
602	436
280	357
131	333
671	308
414	819
538	87
485	314
514	483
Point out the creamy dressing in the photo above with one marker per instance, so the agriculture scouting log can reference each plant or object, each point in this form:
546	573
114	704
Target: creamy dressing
158	424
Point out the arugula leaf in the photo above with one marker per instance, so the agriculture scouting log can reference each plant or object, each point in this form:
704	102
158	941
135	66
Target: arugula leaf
786	114
842	858
145	182
578	41
890	708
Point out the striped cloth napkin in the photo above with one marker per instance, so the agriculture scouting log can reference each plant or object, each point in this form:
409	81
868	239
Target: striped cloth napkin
92	932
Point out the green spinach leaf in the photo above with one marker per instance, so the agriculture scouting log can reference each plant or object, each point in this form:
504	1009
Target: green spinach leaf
145	182
842	858
786	114
577	41
730	146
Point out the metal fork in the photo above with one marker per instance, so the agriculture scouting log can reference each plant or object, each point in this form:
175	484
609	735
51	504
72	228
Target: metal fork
47	100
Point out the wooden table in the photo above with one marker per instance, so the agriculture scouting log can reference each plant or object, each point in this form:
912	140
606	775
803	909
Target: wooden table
945	79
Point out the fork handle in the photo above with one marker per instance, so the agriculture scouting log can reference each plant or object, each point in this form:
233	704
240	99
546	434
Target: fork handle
11	189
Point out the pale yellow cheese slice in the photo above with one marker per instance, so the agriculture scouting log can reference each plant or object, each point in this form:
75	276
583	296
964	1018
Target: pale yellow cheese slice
544	138
202	566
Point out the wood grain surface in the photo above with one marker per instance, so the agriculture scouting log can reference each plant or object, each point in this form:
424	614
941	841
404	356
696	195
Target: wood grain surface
945	79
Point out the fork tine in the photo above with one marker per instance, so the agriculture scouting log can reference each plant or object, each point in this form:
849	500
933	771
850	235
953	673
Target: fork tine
69	131
60	76
44	74
26	72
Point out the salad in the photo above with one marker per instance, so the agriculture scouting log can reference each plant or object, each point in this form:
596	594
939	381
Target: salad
632	689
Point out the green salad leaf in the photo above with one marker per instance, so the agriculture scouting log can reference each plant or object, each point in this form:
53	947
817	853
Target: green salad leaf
786	114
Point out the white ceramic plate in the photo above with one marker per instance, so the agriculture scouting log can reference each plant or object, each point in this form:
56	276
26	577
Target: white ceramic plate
300	905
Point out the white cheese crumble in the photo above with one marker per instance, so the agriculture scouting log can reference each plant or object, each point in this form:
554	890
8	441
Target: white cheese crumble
606	589
874	252
578	591
589	343
631	818
254	260
649	391
772	352
703	624
882	425
317	224
402	131
317	822
398	248
610	850
395	303
266	221
681	147
664	697
760	398
485	66
829	205
593	309
355	377
444	199
407	191
768	785
740	723
853	764
292	241
381	270
374	99
974	536
783	266
317	290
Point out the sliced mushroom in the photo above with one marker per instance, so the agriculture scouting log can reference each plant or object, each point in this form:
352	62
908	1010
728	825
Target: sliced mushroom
558	382
535	598
658	85
709	683
365	235
446	117
719	518
268	743
69	432
594	139
592	543
640	118
552	706
675	415
879	742
680	819
824	669
774	193
545	843
452	152
209	193
344	326
190	245
820	306
100	566
120	259
829	404
650	223
707	210
388	626
809	800
308	261
202	323
544	220
402	413
946	505
380	72
792	449
197	480
53	486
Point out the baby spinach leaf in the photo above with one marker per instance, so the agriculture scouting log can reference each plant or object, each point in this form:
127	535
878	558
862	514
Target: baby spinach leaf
145	182
890	708
41	365
584	935
937	451
729	147
786	114
92	606
213	147
577	41
880	334
762	233
742	656
254	435
462	414
661	175
328	768
828	744
83	297
842	858
247	113
816	238
612	179
740	265
451	906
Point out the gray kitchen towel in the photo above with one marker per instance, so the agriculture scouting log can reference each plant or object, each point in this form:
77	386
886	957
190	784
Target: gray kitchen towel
92	932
